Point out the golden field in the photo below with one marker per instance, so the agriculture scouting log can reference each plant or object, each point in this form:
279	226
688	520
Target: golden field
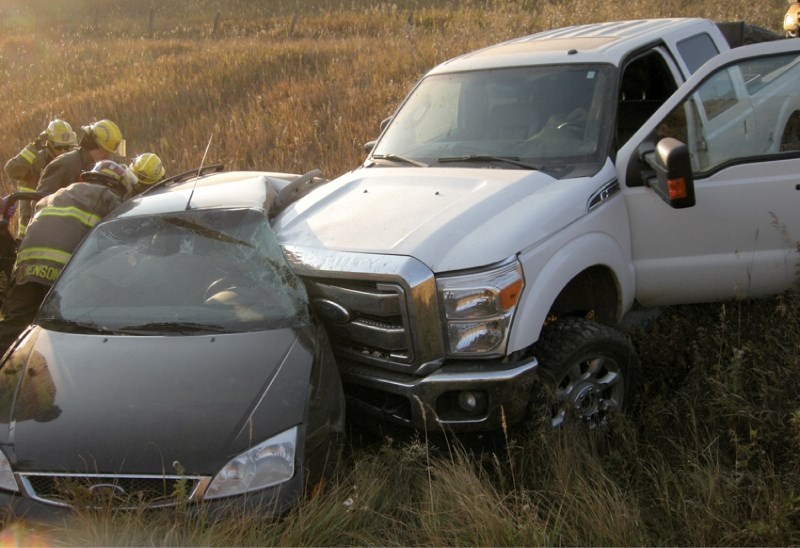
281	86
709	454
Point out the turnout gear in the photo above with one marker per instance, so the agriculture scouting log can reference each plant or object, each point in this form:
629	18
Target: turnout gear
106	135
61	221
27	166
65	170
148	168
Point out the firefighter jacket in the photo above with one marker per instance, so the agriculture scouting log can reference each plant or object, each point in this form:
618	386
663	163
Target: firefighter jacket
24	169
65	170
59	224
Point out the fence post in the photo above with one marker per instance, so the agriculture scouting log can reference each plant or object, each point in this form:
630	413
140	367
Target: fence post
151	23
292	26
217	19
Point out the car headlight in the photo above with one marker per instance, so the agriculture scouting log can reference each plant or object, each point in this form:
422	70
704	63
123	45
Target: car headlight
479	307
7	480
269	463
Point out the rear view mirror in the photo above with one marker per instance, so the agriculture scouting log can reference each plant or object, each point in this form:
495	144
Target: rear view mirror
674	181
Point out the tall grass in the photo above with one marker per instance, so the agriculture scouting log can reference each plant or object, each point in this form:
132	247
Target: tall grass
709	454
266	99
707	457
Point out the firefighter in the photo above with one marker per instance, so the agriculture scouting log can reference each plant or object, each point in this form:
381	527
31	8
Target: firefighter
26	167
100	141
148	169
60	222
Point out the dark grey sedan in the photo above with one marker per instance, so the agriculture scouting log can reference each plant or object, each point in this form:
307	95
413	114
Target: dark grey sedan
174	362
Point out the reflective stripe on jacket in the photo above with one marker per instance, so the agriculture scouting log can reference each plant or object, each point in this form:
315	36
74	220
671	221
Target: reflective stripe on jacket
25	169
61	221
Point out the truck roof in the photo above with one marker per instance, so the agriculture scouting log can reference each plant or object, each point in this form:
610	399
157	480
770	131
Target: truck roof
591	43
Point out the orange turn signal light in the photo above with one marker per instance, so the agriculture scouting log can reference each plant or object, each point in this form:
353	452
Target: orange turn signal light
510	294
677	188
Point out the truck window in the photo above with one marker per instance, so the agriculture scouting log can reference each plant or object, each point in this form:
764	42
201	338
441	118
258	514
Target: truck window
746	112
696	50
552	117
646	83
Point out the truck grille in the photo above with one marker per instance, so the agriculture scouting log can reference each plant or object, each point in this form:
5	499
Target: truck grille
95	490
378	309
371	321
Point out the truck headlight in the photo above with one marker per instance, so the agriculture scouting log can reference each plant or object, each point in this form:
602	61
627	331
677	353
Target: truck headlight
269	463
788	21
479	307
7	480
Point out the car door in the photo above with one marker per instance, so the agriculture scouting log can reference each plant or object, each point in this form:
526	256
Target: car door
739	117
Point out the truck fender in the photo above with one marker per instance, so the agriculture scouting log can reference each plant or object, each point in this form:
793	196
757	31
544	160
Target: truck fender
543	285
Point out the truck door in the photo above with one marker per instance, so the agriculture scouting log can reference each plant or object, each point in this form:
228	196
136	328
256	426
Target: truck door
739	116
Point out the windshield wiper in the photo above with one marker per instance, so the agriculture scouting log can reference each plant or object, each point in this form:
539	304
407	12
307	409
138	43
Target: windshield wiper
514	160
396	158
182	328
205	231
75	326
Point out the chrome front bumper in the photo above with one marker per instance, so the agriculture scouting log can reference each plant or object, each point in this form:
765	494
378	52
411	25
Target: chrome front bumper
501	392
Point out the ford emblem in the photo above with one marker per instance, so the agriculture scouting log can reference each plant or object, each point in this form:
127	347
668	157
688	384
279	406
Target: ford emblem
106	489
331	312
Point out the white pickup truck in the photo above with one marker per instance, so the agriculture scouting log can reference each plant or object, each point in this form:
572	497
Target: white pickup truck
524	197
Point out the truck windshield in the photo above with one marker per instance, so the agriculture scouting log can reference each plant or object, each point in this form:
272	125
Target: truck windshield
199	271
554	118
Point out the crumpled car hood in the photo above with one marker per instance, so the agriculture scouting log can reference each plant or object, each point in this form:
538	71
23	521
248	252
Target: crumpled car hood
125	404
444	217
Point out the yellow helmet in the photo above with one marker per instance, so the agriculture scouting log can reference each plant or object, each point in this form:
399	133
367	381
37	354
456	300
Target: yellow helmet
107	135
60	135
148	168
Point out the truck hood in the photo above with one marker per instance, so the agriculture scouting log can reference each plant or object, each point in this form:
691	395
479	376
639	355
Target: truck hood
444	217
136	404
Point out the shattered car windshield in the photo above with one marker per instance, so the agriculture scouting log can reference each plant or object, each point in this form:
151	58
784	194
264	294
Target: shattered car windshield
558	119
200	271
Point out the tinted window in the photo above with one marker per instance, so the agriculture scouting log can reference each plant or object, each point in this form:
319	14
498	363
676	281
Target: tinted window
696	50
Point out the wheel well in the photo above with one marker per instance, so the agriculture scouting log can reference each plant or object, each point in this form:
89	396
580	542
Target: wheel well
594	291
790	139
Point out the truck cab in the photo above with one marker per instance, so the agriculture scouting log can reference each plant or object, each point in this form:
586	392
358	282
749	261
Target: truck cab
525	196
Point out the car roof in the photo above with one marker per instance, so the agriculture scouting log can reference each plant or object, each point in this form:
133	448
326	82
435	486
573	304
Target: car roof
230	189
592	43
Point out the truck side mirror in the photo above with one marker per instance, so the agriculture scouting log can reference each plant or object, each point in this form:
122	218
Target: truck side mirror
674	181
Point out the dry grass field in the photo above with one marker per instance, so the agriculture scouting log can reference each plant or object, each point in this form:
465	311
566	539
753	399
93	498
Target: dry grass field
710	454
282	86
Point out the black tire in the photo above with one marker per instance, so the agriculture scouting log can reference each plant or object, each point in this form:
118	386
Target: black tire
590	368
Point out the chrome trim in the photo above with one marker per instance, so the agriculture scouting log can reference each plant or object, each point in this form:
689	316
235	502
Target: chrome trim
509	387
376	287
602	195
200	484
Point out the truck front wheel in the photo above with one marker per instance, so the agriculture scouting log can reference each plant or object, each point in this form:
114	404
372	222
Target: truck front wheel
590	368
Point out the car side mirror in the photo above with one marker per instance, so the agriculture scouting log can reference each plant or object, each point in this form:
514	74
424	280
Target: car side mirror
369	145
674	180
